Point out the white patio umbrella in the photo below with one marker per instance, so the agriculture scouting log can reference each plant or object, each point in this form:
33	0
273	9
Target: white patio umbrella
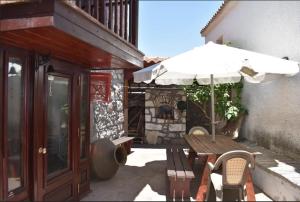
216	64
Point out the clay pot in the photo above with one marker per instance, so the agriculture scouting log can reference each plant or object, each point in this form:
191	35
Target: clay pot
106	158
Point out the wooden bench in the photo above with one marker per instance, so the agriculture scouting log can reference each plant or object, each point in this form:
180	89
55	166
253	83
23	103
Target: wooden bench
179	174
126	142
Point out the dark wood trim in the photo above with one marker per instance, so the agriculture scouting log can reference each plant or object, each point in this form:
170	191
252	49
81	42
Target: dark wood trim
25	23
84	163
27	10
1	121
31	72
23	192
38	122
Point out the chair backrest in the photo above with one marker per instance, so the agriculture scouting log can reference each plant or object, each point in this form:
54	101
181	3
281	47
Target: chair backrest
198	130
234	167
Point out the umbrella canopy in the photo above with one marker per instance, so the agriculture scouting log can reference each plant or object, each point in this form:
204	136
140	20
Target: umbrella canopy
226	63
216	64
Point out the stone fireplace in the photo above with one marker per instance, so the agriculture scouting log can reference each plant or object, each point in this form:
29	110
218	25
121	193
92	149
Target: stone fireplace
164	120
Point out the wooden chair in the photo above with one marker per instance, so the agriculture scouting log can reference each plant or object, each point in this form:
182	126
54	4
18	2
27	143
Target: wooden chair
198	130
231	178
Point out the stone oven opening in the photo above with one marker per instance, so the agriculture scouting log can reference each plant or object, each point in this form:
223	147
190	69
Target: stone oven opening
165	111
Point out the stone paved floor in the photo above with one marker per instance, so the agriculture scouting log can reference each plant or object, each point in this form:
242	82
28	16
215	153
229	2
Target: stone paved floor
141	179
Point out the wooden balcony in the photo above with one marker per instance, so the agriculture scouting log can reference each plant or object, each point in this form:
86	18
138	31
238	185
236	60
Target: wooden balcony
120	16
93	33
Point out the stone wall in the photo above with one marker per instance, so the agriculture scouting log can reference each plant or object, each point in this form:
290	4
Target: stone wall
107	118
161	130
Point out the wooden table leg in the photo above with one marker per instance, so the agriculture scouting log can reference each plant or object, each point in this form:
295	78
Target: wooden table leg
191	157
204	179
250	187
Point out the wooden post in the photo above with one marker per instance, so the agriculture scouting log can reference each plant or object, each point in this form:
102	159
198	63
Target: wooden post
126	21
116	17
133	22
110	16
121	19
125	106
96	9
102	11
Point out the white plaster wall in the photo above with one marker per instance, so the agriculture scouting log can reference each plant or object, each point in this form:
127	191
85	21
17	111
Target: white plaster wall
270	27
275	186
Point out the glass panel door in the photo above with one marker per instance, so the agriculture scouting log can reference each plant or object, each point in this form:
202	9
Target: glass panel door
58	124
15	134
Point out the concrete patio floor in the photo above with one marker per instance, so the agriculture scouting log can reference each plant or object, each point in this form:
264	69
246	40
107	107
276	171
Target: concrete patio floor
143	178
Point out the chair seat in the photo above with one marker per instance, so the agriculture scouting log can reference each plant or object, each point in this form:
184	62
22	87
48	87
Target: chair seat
228	195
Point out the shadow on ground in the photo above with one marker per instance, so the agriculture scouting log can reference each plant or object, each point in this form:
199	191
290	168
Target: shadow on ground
142	182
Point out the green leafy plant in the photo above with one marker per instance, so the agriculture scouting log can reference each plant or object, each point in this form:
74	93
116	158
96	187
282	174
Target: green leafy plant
227	99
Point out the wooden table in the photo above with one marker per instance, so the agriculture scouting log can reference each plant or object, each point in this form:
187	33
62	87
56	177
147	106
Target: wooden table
203	145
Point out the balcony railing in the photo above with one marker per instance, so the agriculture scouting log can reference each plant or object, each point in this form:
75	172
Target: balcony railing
120	16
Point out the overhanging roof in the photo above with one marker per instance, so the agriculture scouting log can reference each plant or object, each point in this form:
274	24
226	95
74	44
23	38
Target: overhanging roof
62	30
223	9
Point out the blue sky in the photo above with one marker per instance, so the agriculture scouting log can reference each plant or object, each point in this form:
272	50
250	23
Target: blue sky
167	28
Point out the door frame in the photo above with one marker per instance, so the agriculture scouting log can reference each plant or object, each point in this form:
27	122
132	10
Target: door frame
84	163
42	186
33	103
22	193
1	119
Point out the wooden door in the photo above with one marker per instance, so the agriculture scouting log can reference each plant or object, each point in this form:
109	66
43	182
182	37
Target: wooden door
56	134
84	140
14	128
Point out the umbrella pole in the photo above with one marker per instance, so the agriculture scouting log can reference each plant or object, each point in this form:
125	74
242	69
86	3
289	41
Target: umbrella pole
213	129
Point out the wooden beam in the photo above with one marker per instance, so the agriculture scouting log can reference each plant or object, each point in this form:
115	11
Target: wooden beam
1	117
27	10
26	23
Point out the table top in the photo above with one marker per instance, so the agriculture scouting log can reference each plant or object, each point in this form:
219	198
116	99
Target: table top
203	144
